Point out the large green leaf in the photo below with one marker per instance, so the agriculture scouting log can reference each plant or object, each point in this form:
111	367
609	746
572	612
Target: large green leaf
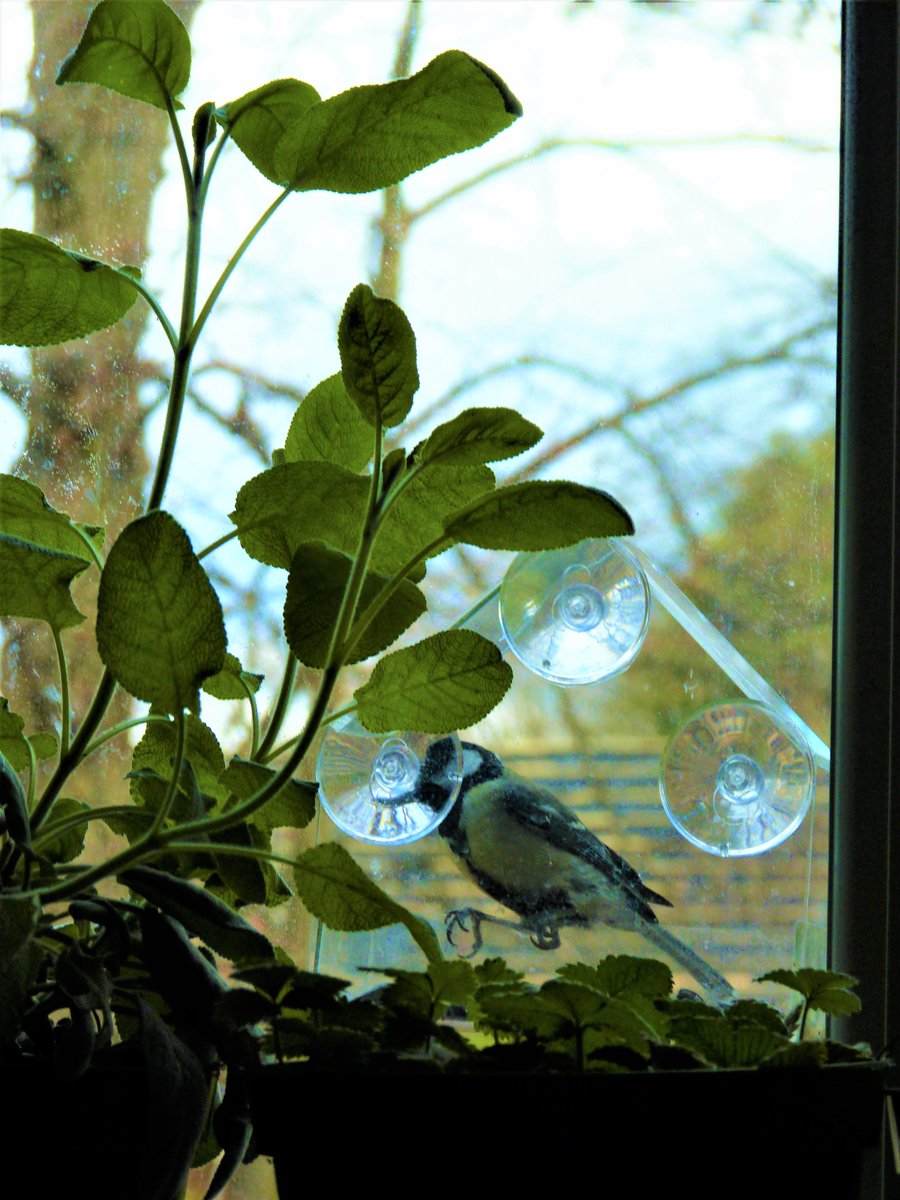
13	742
156	752
329	427
138	48
257	120
479	435
25	514
371	137
538	515
201	913
69	844
378	357
283	507
338	893
446	682
50	295
316	585
34	582
416	519
293	806
159	621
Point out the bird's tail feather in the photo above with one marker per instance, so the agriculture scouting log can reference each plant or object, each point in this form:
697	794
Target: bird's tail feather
707	976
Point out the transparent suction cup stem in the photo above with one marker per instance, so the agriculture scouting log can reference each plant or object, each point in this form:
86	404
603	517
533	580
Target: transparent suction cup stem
576	615
737	779
368	781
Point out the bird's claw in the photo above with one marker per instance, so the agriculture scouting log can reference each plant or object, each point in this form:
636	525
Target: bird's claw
456	920
545	938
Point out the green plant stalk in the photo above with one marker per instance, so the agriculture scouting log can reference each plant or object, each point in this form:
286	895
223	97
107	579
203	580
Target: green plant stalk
230	266
226	537
57	828
281	706
254	717
65	723
159	312
172	789
334	663
387	592
352	706
92	549
114	730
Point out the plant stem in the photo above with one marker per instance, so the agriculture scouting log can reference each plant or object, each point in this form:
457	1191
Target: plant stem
73	756
232	263
386	592
254	718
65	725
226	537
92	549
56	828
168	327
115	730
281	706
172	789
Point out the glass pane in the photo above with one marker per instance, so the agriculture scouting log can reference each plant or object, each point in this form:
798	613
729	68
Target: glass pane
644	266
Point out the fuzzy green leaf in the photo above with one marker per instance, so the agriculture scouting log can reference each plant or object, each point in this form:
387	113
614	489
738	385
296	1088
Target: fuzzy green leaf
250	880
34	582
232	682
68	845
201	913
378	357
293	806
479	435
622	975
13	743
25	514
156	752
828	991
329	427
316	584
50	295
416	519
138	48
446	682
257	120
370	137
538	515
160	629
340	894
285	506
724	1044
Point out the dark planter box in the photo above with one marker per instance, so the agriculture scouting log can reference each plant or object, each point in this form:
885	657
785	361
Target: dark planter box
788	1133
98	1136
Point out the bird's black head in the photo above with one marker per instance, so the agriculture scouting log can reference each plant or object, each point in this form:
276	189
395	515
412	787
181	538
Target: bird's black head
441	771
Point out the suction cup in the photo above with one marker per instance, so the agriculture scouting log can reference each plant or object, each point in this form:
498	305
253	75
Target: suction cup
576	615
737	779
367	783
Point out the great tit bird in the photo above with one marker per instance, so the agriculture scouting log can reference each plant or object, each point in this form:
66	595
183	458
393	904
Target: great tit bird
527	850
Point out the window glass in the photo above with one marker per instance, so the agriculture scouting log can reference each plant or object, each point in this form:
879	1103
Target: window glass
644	265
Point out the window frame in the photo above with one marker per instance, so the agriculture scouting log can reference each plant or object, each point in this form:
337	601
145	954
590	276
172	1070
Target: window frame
864	908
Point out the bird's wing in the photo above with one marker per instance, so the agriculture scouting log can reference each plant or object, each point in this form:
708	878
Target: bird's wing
538	809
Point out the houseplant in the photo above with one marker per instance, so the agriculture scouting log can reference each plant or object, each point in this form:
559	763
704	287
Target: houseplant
94	982
599	1067
126	979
